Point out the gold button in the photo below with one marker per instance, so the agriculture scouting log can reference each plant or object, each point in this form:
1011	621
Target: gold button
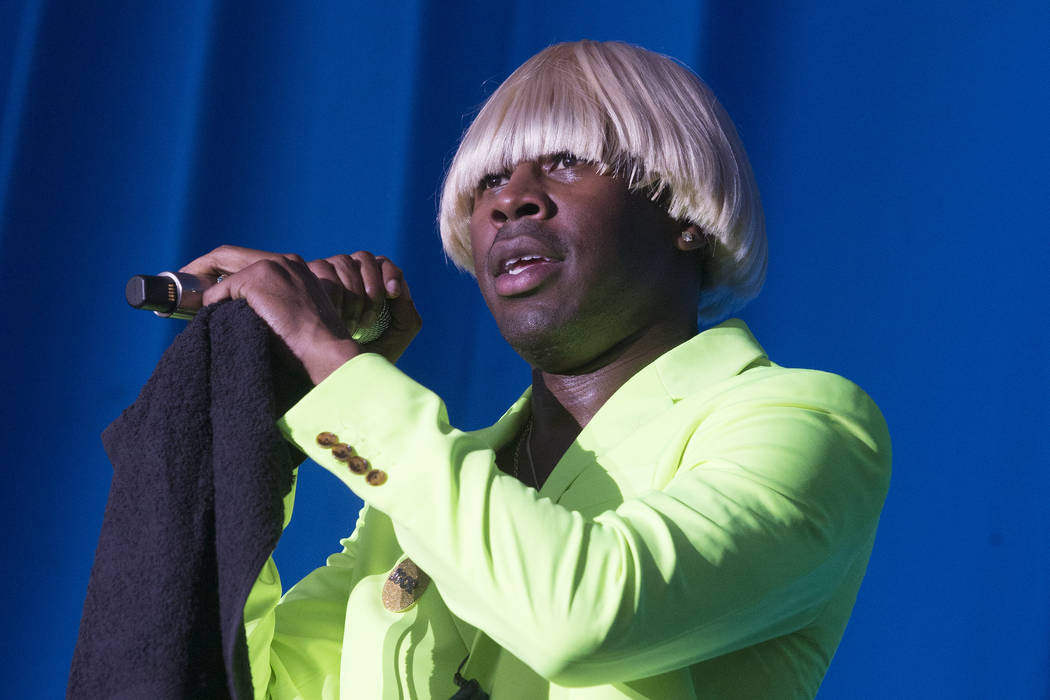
342	451
327	439
376	477
358	465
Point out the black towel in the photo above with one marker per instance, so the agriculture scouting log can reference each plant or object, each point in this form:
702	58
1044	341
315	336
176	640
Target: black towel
194	511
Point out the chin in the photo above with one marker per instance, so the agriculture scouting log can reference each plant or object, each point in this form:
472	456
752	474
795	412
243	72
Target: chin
537	337
551	343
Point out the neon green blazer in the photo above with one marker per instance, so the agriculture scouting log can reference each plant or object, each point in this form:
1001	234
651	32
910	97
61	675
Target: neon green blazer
705	536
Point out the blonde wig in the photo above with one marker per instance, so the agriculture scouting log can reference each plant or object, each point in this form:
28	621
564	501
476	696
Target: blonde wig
642	116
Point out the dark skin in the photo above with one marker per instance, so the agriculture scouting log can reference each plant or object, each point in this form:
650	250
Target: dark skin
588	281
314	307
606	281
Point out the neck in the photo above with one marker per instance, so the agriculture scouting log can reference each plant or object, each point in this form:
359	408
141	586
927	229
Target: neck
565	401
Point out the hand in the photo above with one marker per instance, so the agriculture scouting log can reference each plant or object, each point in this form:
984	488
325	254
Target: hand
360	285
314	307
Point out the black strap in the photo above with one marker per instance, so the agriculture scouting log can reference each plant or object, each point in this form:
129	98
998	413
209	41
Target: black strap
468	690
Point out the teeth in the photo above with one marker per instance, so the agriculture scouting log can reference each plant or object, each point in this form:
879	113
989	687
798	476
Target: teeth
516	266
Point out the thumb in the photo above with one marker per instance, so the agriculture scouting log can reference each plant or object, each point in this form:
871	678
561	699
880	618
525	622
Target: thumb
404	318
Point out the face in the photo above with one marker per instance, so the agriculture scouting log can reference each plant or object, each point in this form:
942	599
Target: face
571	263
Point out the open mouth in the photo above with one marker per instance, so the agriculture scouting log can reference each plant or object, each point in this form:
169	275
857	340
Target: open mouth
515	266
523	260
524	274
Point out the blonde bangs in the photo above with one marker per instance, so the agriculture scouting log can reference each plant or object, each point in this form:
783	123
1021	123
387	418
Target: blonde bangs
531	115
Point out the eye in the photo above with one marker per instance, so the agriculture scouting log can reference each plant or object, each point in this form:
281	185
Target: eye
564	160
492	180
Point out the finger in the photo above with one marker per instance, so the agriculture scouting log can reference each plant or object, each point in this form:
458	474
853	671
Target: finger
392	277
328	278
235	285
372	278
348	273
316	277
219	292
404	318
227	259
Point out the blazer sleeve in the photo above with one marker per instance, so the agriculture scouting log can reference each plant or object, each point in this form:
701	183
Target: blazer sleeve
295	641
777	493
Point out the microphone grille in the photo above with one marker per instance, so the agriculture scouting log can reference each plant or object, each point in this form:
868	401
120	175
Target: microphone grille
373	332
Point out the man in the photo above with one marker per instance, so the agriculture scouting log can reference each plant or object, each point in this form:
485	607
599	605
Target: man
664	514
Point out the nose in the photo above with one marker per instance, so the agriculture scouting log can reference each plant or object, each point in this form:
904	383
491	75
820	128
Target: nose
523	196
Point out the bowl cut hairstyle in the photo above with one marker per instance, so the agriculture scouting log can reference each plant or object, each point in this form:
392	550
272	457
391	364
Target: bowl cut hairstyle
639	115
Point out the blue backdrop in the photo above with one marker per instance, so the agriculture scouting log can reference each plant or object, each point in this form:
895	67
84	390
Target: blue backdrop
901	148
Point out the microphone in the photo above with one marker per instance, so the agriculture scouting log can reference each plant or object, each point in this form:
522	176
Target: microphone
179	295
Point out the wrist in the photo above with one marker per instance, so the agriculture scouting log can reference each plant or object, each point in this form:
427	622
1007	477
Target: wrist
327	355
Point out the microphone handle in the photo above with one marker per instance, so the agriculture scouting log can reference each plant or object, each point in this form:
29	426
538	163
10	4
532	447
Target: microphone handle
179	295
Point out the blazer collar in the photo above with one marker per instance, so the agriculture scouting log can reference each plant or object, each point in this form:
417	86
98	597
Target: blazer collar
716	354
720	352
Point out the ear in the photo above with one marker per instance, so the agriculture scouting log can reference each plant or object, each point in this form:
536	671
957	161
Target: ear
690	238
